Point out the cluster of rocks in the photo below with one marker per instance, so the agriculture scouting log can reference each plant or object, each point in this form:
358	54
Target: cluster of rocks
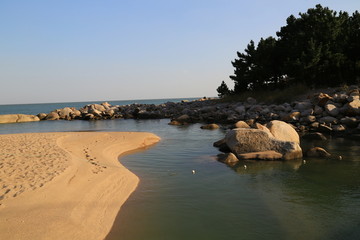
276	140
335	112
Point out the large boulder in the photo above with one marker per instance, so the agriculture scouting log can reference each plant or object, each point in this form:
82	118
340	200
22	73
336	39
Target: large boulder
65	112
17	118
241	140
283	131
52	116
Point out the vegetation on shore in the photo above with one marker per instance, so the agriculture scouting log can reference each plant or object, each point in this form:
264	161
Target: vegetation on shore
320	48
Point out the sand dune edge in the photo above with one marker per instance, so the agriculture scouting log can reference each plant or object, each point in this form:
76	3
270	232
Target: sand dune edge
64	185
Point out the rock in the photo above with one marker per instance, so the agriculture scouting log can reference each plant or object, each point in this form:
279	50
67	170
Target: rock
52	116
318	110
263	128
318	152
321	99
219	143
324	128
18	118
307	112
332	110
293	116
338	128
353	108
42	116
65	112
241	124
106	105
283	131
76	113
211	126
89	116
183	118
228	158
303	105
308	119
315	136
349	121
267	155
315	125
240	109
340	98
109	112
251	101
243	140
328	120
98	107
175	123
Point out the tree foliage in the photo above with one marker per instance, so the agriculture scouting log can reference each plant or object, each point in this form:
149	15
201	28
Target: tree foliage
319	48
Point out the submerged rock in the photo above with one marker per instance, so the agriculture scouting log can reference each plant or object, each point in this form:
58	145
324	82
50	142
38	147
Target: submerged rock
212	126
228	158
318	152
267	155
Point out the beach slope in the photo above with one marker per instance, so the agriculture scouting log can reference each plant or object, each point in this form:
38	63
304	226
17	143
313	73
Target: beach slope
64	185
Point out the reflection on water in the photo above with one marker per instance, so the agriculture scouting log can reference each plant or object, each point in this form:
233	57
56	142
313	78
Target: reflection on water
315	199
311	199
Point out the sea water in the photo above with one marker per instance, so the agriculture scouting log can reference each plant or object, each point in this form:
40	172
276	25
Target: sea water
311	199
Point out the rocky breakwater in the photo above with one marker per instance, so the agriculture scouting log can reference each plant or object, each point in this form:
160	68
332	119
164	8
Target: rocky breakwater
335	112
275	141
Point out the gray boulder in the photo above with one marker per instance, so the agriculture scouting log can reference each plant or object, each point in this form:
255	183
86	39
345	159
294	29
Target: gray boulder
243	140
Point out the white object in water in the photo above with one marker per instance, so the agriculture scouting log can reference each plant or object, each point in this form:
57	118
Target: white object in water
193	171
245	166
304	161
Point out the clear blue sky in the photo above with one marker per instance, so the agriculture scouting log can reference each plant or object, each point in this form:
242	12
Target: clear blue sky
91	50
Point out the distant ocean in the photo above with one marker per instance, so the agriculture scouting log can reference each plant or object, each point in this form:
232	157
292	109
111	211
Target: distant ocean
48	107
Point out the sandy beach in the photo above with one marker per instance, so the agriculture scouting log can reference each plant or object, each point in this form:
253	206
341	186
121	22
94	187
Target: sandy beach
64	185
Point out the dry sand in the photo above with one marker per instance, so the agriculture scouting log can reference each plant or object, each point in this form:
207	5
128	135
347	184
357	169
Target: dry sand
64	185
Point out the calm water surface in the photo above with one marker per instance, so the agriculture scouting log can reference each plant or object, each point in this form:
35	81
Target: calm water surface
316	199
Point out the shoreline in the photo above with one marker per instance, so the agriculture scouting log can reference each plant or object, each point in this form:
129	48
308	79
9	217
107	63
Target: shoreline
67	185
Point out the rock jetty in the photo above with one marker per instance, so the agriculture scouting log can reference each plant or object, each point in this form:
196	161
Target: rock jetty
335	112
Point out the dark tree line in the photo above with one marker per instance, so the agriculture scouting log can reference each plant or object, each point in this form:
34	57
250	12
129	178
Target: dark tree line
319	48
